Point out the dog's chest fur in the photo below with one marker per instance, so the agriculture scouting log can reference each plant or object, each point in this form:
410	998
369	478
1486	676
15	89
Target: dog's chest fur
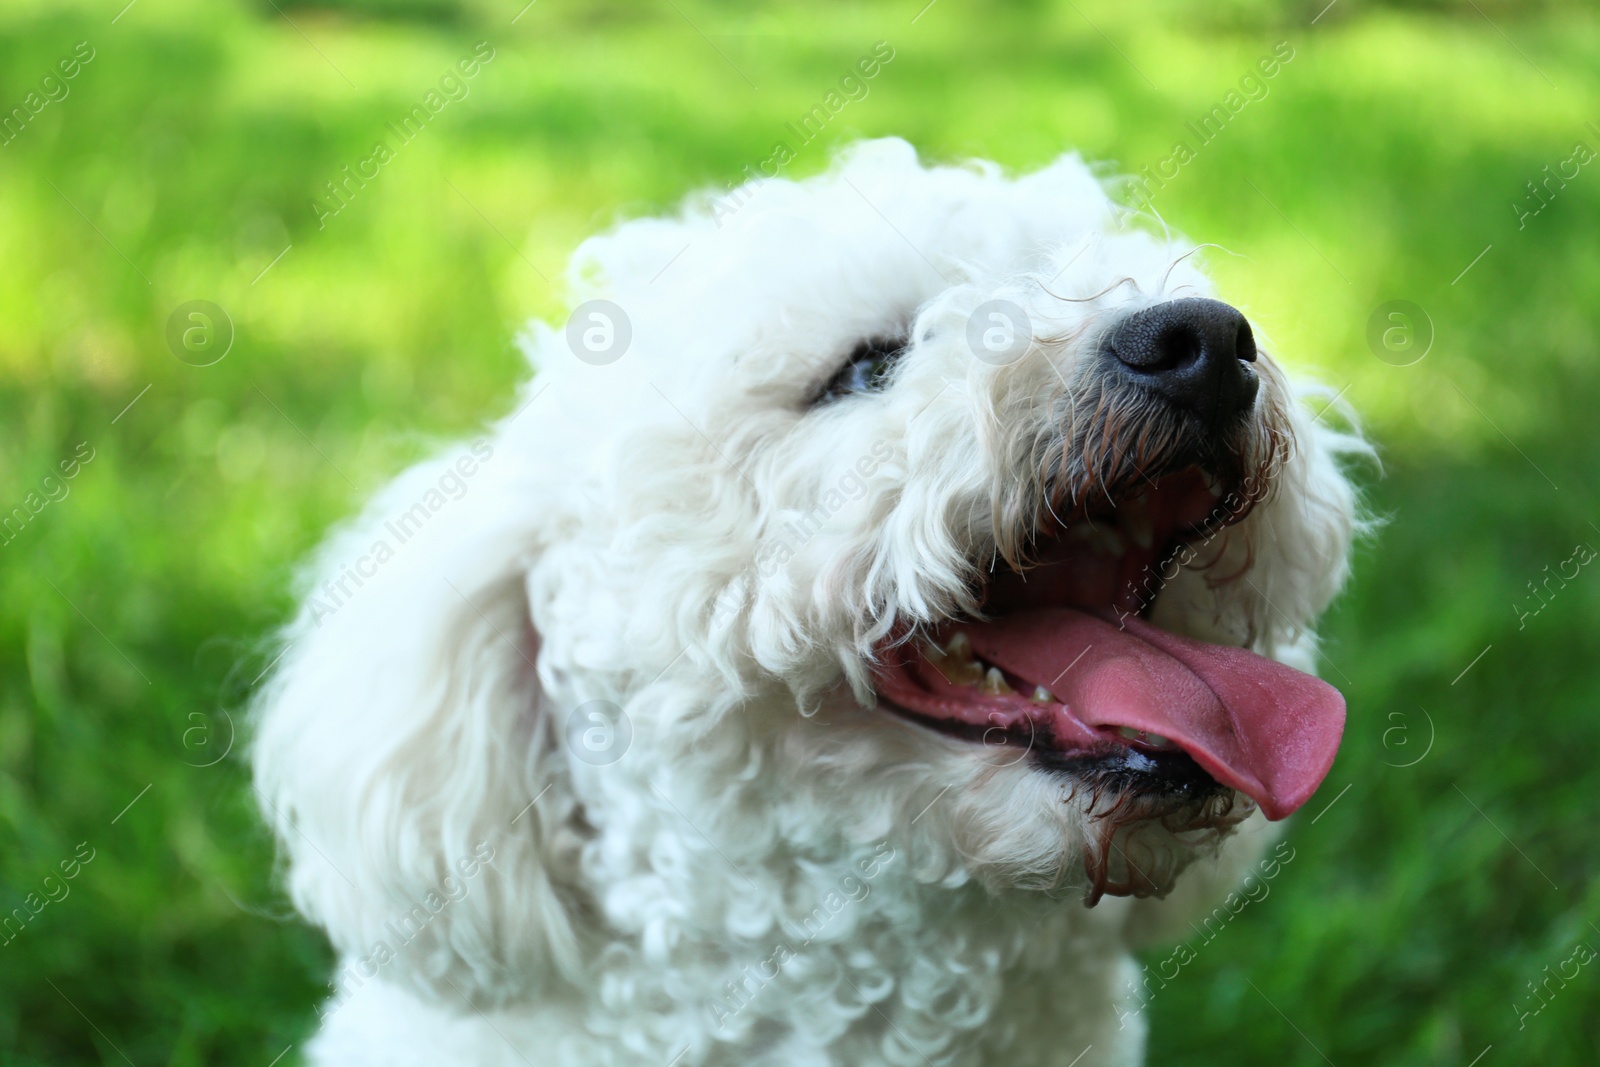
859	962
857	970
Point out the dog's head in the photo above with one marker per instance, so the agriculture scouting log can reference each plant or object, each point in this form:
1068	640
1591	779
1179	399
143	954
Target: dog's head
914	504
938	483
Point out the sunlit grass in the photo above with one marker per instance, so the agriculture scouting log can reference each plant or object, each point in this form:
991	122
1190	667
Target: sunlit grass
1384	157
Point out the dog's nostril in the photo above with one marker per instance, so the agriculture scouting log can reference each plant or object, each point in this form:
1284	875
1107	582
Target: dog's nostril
1176	346
1244	344
1192	352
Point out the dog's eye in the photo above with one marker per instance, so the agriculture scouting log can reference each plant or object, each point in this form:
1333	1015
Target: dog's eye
867	369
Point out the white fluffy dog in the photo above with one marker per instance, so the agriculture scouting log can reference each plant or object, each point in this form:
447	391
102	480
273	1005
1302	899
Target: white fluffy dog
887	566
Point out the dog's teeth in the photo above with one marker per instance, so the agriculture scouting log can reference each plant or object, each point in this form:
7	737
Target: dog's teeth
1041	695
1144	738
994	683
956	661
969	673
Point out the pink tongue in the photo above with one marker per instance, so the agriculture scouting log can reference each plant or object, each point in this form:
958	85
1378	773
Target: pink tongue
1267	730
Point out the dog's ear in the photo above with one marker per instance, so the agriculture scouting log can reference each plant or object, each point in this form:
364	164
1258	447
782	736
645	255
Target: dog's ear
400	747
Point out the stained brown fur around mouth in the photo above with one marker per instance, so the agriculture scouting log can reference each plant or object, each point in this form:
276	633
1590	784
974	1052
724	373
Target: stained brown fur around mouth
1125	793
1127	797
1118	439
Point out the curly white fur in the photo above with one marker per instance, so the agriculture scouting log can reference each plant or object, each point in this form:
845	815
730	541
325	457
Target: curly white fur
773	872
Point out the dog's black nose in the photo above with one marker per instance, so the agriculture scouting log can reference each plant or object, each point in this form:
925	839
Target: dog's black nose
1194	352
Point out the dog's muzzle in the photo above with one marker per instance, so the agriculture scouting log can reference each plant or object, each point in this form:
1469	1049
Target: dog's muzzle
1196	354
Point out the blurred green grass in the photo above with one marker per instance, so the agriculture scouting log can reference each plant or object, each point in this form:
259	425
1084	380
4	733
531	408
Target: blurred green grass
1384	159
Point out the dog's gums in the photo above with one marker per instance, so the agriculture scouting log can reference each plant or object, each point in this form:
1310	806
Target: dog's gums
1062	664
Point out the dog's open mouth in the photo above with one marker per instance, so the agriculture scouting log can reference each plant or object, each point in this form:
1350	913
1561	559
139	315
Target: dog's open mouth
1065	663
